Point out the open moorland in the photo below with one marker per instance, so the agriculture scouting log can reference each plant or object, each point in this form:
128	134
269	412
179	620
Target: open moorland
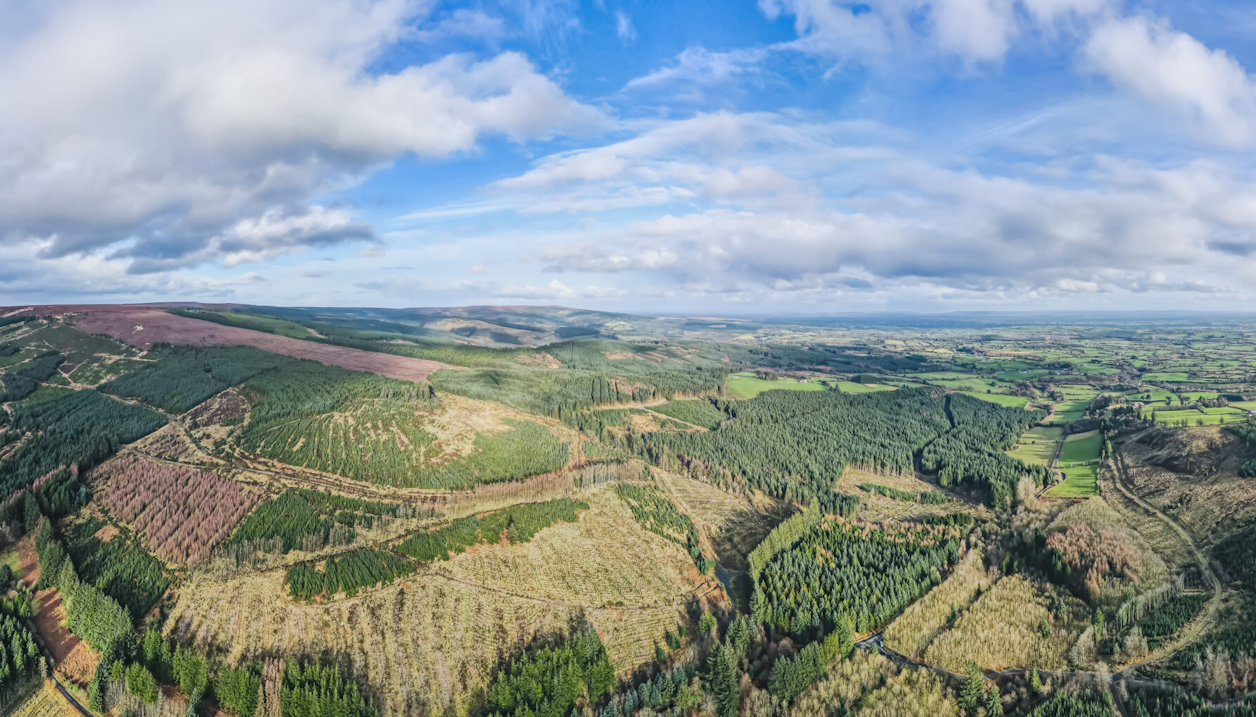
290	512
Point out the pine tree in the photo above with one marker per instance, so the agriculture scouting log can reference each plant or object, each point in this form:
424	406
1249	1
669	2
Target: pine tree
706	623
1035	682
973	689
840	642
738	638
994	705
30	513
722	679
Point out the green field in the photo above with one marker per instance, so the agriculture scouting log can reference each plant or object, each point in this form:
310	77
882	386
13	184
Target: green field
1193	419
1037	445
975	385
1149	394
1079	482
1079	462
1001	398
1168	377
1081	448
747	385
1192	396
1013	376
1069	411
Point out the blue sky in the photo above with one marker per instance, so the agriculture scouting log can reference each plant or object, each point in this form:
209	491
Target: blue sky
799	156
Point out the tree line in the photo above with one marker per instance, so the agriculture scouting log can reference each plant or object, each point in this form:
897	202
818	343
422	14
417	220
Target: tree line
657	514
364	567
518	523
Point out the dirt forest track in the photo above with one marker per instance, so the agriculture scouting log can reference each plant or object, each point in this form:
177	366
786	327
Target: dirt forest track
142	325
1202	624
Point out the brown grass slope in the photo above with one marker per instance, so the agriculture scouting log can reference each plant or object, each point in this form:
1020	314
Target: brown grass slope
1192	475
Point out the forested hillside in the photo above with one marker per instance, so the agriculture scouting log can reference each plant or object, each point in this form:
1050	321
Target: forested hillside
585	519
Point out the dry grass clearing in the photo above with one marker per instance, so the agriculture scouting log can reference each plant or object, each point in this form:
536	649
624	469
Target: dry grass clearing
702	501
1159	536
1000	630
875	507
427	645
571	562
1192	475
877	688
45	702
171	443
734	524
430	644
911	633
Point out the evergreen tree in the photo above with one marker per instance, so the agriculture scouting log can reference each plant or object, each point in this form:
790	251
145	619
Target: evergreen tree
738	638
1035	682
722	681
971	693
840	642
141	683
30	512
994	705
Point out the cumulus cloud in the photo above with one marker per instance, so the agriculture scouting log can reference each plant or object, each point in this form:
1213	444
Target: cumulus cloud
974	29
1141	54
1172	68
1118	225
200	129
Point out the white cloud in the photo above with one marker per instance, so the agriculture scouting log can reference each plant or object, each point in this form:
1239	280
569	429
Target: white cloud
464	22
1049	12
1170	67
974	29
706	156
623	28
1143	55
699	66
168	124
1115	223
557	291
